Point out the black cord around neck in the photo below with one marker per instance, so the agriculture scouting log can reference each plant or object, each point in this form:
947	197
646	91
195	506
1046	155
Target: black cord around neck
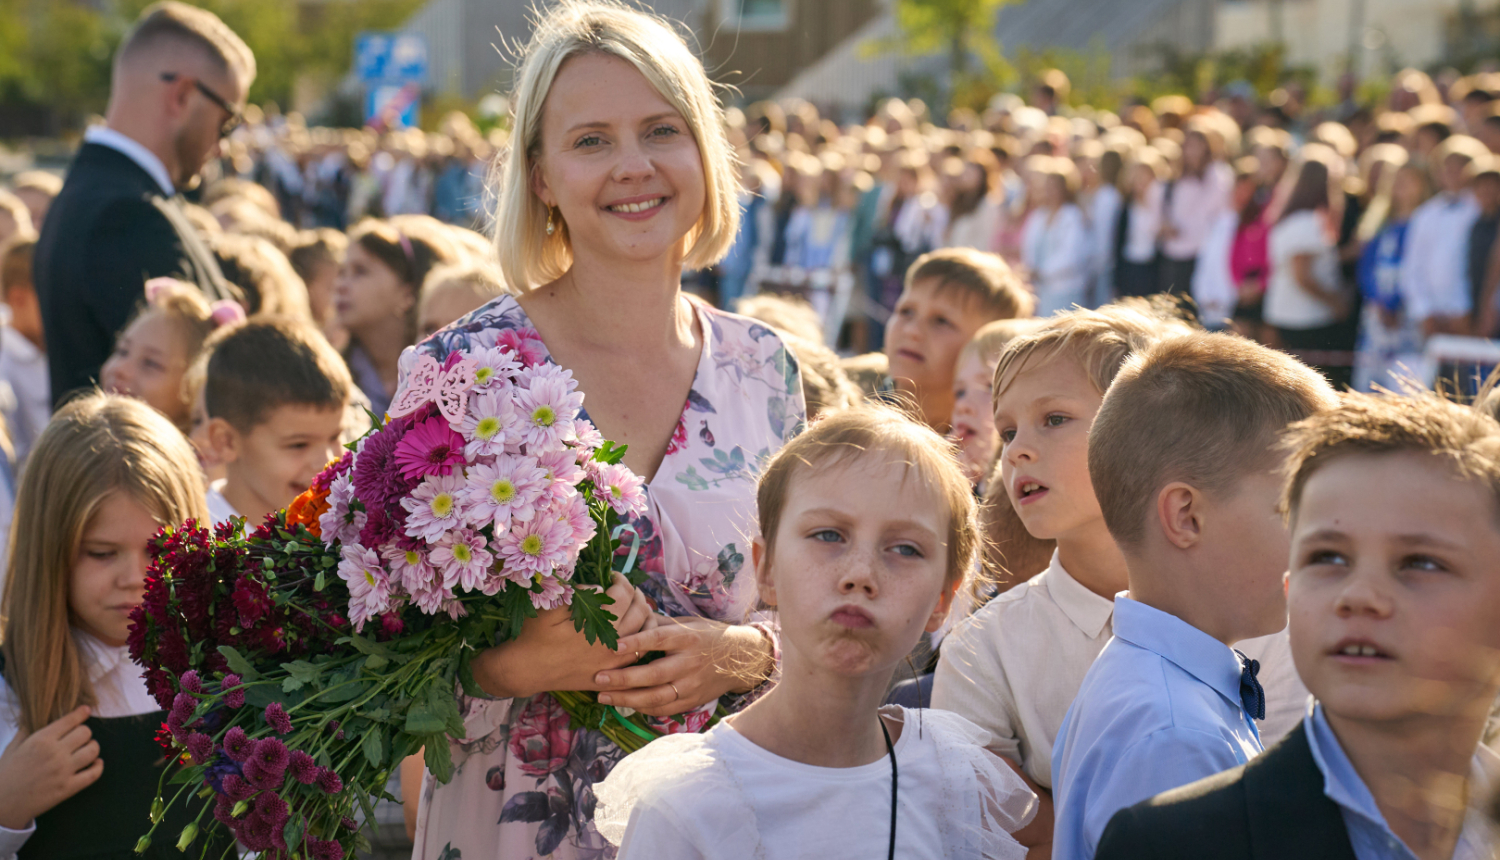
890	750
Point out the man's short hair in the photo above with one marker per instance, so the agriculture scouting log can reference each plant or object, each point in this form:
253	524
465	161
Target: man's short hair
982	277
1205	409
1099	340
1465	439
172	21
267	363
16	256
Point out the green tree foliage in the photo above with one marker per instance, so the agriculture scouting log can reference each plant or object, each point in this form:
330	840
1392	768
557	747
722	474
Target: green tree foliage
965	31
57	53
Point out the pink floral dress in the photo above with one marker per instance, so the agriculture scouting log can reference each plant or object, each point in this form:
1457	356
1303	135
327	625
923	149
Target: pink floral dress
523	785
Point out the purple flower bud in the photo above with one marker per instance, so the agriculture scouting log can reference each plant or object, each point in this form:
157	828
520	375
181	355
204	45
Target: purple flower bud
325	849
183	706
236	788
348	823
277	718
237	746
304	769
200	747
234	697
190	681
329	781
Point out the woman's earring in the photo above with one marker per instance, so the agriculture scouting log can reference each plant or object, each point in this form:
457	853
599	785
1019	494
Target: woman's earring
550	227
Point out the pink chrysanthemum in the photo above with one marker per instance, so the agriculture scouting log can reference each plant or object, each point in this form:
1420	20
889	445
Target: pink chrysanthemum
621	488
504	491
539	546
340	523
574	513
433	598
495	367
553	594
563	473
369	587
490	424
589	437
430	448
409	568
461	559
524	343
548	405
435	507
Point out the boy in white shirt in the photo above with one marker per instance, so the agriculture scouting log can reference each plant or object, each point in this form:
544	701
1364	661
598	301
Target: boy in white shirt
1015	666
1434	280
23	354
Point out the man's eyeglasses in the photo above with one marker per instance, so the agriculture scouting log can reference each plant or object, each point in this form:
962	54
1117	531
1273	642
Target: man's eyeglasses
233	121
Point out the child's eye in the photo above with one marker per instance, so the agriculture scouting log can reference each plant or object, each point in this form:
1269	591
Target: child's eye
1007	435
942	321
1056	420
907	550
1326	556
152	365
1423	563
101	554
826	536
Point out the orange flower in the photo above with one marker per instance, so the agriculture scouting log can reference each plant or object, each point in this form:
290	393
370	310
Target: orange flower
306	509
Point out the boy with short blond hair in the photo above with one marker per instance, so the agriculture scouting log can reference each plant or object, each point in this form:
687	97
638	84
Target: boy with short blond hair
1394	587
274	393
947	297
1184	466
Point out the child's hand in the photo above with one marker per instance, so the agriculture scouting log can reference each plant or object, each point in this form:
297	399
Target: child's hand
39	771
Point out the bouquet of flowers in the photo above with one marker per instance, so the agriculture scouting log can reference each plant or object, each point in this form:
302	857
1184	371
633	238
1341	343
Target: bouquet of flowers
301	663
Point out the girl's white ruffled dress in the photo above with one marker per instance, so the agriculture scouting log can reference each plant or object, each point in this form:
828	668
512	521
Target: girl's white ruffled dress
717	795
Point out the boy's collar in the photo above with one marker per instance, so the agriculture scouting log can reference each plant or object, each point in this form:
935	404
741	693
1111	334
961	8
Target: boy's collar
1182	644
1088	611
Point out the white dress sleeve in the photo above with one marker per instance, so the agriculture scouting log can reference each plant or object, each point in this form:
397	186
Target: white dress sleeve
11	841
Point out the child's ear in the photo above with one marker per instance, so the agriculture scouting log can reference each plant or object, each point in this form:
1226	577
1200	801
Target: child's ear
763	581
224	440
1179	513
944	606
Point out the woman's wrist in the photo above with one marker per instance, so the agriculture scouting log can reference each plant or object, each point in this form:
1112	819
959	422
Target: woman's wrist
757	661
494	674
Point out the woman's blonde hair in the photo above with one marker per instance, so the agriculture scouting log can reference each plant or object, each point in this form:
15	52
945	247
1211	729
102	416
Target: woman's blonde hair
893	436
95	445
528	256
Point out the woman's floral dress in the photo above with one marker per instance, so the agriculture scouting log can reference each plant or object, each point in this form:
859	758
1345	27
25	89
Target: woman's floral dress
523	783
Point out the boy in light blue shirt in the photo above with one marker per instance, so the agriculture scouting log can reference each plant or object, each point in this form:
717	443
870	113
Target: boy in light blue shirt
1184	464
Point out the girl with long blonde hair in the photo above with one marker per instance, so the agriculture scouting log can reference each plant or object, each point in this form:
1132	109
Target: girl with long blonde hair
77	724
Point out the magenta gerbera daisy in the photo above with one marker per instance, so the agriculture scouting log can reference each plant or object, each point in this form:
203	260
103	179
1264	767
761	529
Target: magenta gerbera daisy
524	343
430	448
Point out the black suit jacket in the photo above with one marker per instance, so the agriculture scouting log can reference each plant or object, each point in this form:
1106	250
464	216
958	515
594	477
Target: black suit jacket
110	230
1270	809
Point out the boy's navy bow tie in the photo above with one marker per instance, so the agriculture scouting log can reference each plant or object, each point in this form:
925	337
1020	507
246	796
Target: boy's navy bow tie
1252	694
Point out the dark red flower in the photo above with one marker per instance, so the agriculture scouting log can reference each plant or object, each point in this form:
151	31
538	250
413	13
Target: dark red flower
329	781
276	718
303	768
272	754
237	746
252	601
272	808
325	849
236	788
200	747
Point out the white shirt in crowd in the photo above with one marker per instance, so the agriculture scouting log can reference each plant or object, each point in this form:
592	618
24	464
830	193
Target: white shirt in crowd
24	367
1056	250
219	508
1145	225
719	795
1434	278
1287	304
1104	216
119	689
978	229
131	149
1214	288
1196	202
1015	666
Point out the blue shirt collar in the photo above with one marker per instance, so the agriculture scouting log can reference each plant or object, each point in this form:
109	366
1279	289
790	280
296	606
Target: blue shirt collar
1187	647
1341	783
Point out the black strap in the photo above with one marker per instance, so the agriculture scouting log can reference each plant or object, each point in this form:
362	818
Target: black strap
890	750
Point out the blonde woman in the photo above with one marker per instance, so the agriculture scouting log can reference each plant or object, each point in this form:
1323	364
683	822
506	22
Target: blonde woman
77	723
619	176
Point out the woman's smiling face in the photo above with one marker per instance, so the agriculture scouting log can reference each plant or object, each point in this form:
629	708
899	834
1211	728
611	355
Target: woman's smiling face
618	162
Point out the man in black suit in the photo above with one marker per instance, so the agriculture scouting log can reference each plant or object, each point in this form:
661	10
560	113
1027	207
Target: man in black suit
178	85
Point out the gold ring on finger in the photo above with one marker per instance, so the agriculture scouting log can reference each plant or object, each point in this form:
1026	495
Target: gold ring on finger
675	695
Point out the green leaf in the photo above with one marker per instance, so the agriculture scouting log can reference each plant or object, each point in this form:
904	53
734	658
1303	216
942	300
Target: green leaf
294	830
238	664
591	618
185	775
374	747
371	647
466	675
318	581
438	758
375	662
421	720
442	704
299	672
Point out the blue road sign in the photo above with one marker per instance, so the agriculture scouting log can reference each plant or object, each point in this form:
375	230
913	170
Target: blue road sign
390	57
